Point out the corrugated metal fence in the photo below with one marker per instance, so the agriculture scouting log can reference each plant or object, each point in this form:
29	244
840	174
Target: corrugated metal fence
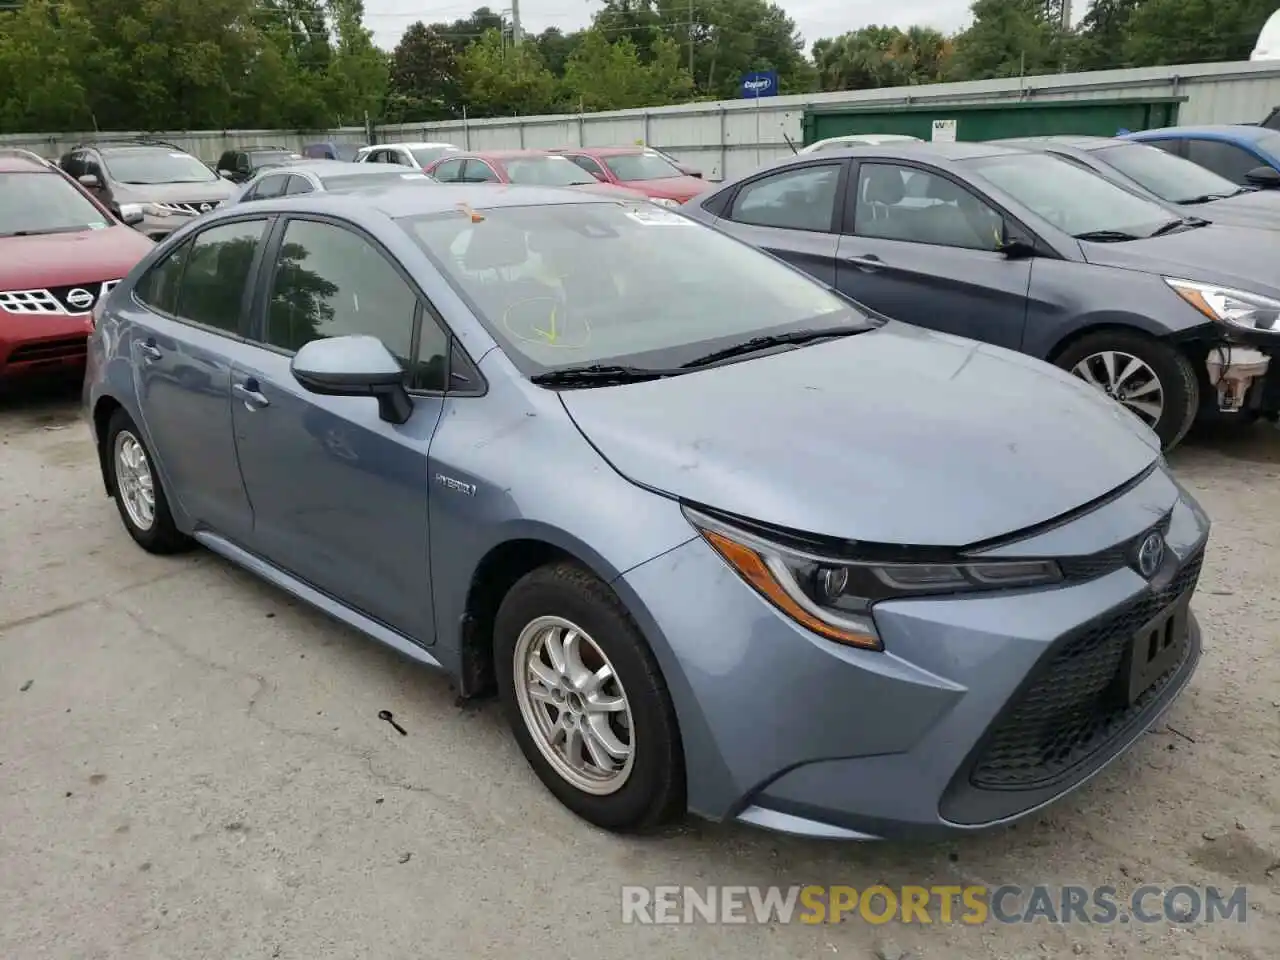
729	137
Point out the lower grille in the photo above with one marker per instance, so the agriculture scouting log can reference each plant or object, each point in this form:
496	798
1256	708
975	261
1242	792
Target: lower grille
50	351
1075	705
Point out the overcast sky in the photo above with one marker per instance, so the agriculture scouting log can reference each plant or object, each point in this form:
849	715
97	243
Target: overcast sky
815	18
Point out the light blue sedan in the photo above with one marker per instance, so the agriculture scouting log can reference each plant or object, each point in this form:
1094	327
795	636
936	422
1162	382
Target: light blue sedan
720	539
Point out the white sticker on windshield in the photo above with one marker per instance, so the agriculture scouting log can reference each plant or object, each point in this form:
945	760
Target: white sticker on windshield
657	217
97	225
414	176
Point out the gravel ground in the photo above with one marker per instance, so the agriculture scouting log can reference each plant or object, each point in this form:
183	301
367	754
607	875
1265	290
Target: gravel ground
191	766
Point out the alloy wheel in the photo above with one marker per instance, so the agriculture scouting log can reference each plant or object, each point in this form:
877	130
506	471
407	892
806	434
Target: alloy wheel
1126	379
134	483
574	705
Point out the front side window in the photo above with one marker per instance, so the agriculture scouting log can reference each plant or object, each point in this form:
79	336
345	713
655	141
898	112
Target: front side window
641	166
34	203
331	282
152	165
298	185
267	187
1168	177
449	172
616	282
802	199
1225	159
1076	201
589	165
916	206
158	287
547	172
477	171
217	268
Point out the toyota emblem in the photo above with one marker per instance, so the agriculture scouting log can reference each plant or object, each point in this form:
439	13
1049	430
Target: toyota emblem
1150	555
79	299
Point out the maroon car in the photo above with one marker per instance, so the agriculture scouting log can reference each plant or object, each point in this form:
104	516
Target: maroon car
61	251
637	168
530	167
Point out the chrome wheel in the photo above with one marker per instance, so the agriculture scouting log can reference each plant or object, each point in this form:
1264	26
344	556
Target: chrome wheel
574	705
1126	379
134	484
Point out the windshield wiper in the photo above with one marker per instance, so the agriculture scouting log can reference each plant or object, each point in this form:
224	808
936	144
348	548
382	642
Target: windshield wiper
756	344
1208	198
598	375
1107	236
1179	224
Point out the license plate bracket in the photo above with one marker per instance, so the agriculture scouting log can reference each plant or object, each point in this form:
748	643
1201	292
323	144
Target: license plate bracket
1157	646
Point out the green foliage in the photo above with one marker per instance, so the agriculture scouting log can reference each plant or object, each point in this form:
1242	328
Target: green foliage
312	64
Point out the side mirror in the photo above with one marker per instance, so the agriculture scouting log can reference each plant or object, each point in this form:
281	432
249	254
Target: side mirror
131	214
1268	178
354	366
90	181
1014	245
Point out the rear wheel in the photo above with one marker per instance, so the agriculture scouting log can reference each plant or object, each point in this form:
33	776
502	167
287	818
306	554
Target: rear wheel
1152	380
139	494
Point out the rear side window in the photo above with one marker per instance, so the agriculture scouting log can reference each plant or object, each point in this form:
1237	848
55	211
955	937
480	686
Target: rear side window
449	172
298	185
1225	159
214	277
158	287
589	165
267	188
802	199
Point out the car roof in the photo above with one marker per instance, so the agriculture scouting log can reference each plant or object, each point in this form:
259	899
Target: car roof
604	151
411	144
10	163
1079	141
505	154
321	166
875	138
906	149
1213	131
399	200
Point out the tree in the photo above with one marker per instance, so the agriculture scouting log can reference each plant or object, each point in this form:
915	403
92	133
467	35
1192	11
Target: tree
358	72
42	42
556	47
1010	38
501	80
1193	31
609	76
424	76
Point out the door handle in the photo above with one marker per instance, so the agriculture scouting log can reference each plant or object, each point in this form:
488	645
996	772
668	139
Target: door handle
867	262
150	352
248	391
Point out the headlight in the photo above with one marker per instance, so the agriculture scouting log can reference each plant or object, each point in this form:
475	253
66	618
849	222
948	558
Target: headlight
833	596
154	210
666	202
1226	305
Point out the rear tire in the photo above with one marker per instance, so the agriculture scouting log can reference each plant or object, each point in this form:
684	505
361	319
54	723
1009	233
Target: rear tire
137	489
1152	380
611	751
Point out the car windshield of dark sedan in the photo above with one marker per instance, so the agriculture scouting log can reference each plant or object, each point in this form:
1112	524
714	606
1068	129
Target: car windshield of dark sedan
1167	176
150	165
33	203
563	285
1074	200
547	172
641	166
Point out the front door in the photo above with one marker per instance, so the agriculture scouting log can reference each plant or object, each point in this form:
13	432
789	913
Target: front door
791	214
339	495
920	247
182	342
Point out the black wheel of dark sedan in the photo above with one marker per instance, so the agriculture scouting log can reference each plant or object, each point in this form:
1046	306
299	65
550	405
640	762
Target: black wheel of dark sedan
586	700
1152	380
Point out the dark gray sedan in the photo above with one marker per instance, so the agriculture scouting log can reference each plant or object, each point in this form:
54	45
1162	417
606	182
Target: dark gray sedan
1160	175
1174	317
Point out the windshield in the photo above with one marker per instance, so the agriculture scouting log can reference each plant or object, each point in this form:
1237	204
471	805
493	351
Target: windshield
1168	177
429	155
570	284
1074	200
156	166
641	166
546	172
33	203
349	181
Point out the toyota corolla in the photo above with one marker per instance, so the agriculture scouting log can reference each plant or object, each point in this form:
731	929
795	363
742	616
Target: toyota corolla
720	539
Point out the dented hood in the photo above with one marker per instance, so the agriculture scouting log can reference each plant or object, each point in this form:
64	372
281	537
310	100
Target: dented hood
899	435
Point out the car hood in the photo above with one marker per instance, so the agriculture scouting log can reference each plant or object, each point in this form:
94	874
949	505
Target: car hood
1243	210
1234	256
899	435
611	190
213	191
66	259
669	188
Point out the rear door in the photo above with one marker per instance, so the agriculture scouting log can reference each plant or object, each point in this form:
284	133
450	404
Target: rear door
191	322
792	213
920	246
339	495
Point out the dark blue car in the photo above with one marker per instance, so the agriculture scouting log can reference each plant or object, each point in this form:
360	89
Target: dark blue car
1245	154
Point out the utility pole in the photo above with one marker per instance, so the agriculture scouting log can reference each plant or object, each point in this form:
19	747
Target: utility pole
516	32
690	29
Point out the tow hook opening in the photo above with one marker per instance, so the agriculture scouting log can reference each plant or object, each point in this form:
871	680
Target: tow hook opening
1232	371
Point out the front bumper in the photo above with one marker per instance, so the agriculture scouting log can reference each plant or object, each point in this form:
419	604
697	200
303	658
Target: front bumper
786	730
42	344
157	228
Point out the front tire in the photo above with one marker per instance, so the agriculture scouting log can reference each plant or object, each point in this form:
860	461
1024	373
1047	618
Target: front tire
586	700
1152	380
139	495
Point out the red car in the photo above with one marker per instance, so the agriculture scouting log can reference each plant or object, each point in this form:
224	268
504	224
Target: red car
533	167
637	168
60	252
